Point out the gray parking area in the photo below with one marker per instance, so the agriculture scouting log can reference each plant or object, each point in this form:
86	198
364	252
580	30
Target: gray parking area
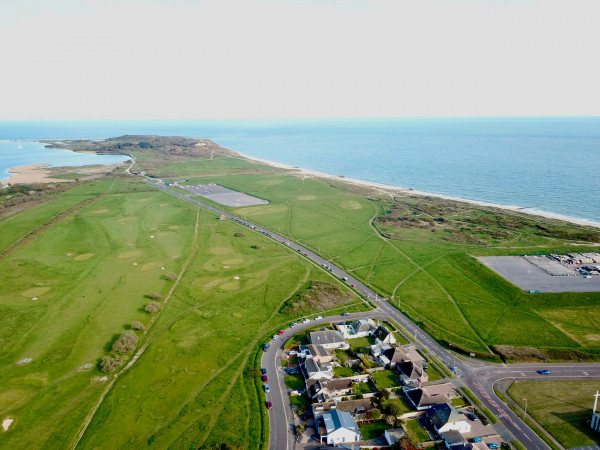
528	276
223	195
550	266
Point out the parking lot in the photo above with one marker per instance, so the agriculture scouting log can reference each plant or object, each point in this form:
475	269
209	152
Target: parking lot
223	195
527	276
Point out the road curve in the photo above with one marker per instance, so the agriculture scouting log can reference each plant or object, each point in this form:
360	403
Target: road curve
478	376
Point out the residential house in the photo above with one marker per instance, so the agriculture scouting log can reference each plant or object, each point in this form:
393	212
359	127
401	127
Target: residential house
328	339
393	435
384	336
338	427
322	390
359	328
317	352
313	369
445	417
355	407
422	399
411	373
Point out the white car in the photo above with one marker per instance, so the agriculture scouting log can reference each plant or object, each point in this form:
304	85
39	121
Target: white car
318	317
274	337
306	320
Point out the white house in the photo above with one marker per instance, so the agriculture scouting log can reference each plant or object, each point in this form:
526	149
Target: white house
338	427
360	328
446	418
314	370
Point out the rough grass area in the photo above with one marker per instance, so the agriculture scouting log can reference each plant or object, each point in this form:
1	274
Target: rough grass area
318	296
295	381
563	408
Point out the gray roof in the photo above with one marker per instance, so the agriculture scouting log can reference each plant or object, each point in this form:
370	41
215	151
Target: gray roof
319	351
336	419
326	337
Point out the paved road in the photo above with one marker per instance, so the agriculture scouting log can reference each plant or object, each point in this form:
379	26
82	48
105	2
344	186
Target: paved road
476	375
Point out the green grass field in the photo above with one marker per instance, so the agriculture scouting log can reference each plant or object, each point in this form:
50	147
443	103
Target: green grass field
84	272
374	429
385	379
563	408
415	431
426	266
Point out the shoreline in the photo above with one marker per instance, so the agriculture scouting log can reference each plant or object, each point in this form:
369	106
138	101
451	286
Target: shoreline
28	173
388	188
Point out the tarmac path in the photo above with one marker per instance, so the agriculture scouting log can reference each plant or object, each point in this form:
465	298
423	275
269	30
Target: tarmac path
478	376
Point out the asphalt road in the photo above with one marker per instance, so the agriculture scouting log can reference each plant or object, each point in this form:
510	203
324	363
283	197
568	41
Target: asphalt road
478	376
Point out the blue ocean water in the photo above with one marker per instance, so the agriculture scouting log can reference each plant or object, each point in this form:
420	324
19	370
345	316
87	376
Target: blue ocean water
19	153
543	164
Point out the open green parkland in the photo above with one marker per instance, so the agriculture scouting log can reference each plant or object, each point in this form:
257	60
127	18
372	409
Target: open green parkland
563	408
79	269
419	252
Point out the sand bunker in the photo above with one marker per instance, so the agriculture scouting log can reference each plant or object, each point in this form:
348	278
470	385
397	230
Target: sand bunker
6	423
130	254
304	198
351	204
24	361
35	292
84	256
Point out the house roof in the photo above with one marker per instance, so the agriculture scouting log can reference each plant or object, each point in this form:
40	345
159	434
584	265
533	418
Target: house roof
326	337
350	406
396	354
363	326
421	398
453	437
394	435
336	419
381	332
439	415
319	351
411	369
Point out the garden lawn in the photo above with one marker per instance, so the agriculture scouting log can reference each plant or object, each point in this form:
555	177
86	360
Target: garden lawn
295	381
385	379
361	342
374	429
416	432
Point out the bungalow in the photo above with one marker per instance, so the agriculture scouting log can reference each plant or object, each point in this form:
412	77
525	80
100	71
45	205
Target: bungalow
360	328
445	417
338	427
323	390
317	352
355	407
312	369
384	336
422	399
411	373
453	439
327	339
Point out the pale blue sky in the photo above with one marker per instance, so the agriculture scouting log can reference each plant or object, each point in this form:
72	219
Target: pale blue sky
286	59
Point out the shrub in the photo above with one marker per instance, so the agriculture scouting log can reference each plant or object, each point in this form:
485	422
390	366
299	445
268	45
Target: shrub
156	296
109	364
376	414
138	326
152	307
171	276
126	342
240	235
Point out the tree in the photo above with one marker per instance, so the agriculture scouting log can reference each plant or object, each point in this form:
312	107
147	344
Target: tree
152	307
394	409
126	342
156	296
376	414
138	326
109	364
391	420
383	393
171	276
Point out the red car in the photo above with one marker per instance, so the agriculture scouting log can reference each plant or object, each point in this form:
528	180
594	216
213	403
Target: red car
269	405
281	332
264	378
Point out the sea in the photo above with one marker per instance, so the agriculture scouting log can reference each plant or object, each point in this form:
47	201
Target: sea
540	164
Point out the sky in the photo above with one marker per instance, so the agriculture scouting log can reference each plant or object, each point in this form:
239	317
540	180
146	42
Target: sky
176	59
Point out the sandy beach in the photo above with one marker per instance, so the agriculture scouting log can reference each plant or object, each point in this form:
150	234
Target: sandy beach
43	173
391	190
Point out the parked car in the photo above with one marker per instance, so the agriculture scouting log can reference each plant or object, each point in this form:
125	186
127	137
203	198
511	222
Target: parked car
266	347
544	372
318	317
306	320
352	285
267	388
264	378
493	445
293	325
275	336
269	405
280	332
263	371
471	416
345	278
477	439
345	314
